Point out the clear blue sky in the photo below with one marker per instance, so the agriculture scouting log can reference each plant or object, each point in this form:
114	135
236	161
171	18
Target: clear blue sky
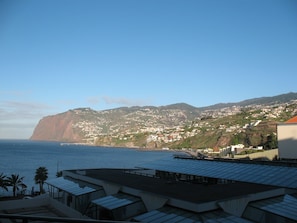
57	55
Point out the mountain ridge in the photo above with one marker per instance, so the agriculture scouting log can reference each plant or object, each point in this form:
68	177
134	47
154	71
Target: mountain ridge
260	100
163	126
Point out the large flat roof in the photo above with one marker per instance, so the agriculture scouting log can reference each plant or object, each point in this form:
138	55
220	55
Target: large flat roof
197	193
281	176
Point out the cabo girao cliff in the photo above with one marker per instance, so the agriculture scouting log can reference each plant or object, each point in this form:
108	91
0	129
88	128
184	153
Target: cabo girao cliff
58	127
251	122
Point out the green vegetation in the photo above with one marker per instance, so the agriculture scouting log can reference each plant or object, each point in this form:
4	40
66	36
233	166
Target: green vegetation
4	183
271	142
16	182
241	128
41	176
237	139
140	139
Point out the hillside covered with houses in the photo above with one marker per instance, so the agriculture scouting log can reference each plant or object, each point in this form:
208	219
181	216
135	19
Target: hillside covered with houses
251	124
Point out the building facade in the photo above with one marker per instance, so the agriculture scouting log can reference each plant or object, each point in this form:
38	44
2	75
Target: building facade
287	139
184	190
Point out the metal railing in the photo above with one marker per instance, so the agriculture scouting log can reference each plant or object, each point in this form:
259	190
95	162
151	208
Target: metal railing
28	218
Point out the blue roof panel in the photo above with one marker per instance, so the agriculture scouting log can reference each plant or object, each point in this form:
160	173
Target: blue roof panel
172	214
115	201
283	176
284	206
70	186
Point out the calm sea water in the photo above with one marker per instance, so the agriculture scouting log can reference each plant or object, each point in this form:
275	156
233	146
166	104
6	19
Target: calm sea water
23	157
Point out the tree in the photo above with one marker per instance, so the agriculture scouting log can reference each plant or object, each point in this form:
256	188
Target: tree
41	176
271	142
16	182
4	182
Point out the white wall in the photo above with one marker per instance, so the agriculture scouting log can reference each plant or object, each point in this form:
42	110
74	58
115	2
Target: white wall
287	140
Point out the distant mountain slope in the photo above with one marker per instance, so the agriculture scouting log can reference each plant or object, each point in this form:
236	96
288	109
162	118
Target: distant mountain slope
75	124
181	106
283	98
256	101
151	126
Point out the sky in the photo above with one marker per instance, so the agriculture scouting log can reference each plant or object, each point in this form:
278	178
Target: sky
57	55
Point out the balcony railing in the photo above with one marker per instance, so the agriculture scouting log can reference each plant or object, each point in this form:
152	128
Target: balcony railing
29	218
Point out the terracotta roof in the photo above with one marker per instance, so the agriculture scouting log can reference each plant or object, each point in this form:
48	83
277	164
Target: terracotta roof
292	120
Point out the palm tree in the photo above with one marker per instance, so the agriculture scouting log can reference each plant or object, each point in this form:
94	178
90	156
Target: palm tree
41	176
16	181
4	182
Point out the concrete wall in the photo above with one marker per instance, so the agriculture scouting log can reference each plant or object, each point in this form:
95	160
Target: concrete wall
287	140
269	154
128	211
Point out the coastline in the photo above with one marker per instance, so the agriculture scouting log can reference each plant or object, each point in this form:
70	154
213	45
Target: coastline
112	146
32	154
61	143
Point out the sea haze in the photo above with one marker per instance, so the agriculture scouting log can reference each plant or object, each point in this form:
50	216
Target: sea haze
23	157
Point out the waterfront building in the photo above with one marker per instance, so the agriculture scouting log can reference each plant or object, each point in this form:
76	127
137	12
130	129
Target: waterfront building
182	189
171	190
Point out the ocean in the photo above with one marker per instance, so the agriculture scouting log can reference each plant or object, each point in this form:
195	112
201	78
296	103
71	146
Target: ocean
23	157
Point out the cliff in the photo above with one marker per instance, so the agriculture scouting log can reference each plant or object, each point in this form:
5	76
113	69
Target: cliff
57	128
